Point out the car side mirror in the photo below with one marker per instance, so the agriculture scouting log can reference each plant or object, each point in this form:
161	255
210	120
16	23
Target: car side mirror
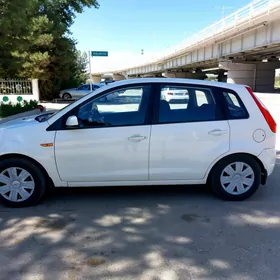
72	121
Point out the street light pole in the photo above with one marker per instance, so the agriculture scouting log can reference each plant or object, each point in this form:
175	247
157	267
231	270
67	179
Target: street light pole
89	66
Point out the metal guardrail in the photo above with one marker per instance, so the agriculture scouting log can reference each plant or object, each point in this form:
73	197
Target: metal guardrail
255	8
15	87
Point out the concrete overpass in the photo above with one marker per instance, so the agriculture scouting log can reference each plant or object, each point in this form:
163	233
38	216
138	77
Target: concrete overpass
243	47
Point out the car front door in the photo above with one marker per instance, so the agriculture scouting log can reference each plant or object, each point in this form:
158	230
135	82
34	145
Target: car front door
111	143
187	137
82	91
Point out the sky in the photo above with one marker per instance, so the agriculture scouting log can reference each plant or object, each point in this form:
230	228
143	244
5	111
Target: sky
125	27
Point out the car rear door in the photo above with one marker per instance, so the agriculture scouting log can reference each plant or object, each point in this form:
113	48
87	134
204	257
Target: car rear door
187	138
83	90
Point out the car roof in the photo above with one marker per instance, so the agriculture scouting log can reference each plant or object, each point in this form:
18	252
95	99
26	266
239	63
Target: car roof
174	81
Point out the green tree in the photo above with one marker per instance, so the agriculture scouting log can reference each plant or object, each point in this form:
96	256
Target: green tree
14	17
35	42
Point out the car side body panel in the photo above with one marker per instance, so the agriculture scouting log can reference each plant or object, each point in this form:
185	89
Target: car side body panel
29	144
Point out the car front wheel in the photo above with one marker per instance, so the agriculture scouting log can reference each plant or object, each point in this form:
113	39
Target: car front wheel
236	177
22	183
66	96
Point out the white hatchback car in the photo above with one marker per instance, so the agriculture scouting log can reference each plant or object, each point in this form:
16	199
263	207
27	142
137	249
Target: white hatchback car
223	136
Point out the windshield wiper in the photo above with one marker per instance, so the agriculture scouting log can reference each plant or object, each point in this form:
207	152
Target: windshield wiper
43	117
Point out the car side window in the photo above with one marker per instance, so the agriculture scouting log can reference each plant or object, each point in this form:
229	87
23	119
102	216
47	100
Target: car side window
175	95
187	104
84	87
235	109
120	107
201	97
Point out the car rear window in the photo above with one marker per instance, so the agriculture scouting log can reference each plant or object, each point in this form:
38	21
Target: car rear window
235	108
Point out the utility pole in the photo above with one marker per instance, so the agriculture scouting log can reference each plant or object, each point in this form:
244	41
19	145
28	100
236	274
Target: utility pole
89	66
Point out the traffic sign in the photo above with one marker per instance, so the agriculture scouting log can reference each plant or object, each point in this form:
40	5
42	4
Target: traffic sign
99	53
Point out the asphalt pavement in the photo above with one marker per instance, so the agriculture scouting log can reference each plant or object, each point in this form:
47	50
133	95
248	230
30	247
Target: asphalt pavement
145	233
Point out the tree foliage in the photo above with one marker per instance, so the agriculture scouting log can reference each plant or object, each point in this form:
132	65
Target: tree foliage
35	42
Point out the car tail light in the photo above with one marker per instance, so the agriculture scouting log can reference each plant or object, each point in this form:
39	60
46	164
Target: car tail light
269	119
170	93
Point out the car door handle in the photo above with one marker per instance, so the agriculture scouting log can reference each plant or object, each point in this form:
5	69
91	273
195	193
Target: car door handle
217	132
137	138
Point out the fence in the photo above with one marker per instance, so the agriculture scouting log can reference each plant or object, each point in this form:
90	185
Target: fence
17	90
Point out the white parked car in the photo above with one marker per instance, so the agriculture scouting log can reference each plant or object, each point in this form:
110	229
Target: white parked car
176	95
223	136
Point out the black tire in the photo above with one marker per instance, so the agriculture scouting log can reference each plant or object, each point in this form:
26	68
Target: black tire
67	95
38	177
222	164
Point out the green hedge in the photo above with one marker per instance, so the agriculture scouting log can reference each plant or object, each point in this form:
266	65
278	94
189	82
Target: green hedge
9	109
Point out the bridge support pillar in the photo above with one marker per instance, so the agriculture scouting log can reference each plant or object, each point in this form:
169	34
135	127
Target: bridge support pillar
222	77
265	76
259	76
239	73
118	77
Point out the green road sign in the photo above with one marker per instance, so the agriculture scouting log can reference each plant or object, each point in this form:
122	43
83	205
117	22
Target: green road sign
99	53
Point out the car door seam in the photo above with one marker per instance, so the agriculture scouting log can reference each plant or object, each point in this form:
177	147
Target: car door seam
229	128
149	152
56	160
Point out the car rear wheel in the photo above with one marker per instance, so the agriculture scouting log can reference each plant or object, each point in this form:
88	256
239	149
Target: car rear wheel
22	183
66	96
236	177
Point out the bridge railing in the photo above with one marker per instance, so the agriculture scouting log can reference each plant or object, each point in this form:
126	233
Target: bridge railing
255	8
249	12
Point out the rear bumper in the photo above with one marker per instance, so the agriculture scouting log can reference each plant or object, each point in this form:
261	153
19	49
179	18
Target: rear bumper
179	99
268	158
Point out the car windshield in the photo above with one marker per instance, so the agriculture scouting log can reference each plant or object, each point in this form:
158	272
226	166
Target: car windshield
47	115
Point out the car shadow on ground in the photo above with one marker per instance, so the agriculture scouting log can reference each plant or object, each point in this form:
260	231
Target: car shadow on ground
143	233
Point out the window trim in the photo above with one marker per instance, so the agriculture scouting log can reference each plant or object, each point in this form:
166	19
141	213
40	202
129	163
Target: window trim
60	123
213	90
